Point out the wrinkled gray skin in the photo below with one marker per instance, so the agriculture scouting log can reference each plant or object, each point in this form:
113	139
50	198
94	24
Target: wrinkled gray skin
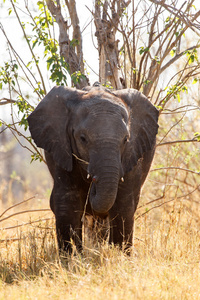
113	133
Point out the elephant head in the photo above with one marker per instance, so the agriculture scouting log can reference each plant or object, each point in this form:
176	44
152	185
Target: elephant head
110	131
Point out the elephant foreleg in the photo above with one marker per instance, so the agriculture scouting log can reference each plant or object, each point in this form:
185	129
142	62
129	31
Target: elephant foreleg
68	212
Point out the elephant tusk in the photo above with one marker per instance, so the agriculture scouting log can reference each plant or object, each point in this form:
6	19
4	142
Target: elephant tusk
88	176
122	179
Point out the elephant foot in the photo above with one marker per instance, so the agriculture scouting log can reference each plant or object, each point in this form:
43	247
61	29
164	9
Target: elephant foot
69	240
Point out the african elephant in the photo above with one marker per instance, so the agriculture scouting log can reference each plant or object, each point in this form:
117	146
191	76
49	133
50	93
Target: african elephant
99	146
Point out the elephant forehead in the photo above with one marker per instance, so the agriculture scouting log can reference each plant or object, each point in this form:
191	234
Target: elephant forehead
104	125
108	108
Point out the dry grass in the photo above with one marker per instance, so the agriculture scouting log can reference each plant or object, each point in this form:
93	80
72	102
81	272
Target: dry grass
165	263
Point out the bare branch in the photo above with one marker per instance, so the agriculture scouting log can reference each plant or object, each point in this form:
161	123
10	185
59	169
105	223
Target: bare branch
22	202
31	50
171	111
178	142
172	127
21	63
154	207
175	168
25	212
15	132
183	17
25	224
4	101
176	57
166	202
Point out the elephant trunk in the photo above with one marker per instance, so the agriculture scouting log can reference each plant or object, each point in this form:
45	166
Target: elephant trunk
104	187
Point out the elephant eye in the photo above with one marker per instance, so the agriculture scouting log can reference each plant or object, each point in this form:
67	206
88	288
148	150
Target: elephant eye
83	139
126	139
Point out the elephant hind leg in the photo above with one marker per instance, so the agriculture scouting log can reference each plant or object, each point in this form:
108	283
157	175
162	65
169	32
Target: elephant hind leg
121	232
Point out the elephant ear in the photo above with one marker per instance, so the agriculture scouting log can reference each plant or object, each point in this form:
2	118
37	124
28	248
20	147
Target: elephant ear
143	127
48	125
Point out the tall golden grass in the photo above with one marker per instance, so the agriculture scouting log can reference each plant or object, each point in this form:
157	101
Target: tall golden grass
165	263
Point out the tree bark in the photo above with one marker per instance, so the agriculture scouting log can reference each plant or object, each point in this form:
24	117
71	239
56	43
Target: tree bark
106	28
72	53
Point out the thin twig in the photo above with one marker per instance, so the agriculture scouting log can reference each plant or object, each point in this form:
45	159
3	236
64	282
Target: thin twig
13	130
25	224
175	198
175	168
25	212
21	63
31	50
178	141
172	128
152	201
183	17
81	160
86	202
22	202
159	205
181	107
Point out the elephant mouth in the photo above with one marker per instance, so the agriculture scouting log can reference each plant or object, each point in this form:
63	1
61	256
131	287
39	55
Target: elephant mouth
93	190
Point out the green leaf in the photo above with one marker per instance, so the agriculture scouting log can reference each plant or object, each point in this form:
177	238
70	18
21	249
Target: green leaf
168	20
172	52
195	80
29	63
74	42
142	50
158	107
9	11
34	43
35	157
147	81
178	98
40	5
197	136
157	59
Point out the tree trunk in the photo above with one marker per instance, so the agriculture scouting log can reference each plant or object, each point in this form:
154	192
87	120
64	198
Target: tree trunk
106	28
72	52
